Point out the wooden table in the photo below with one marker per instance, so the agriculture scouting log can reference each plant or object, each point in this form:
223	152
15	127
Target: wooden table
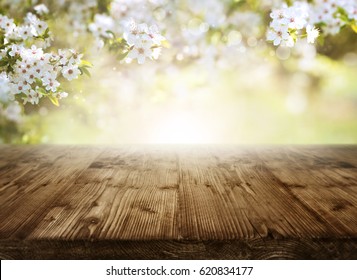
170	202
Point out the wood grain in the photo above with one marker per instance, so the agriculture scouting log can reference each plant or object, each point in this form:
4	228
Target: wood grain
178	202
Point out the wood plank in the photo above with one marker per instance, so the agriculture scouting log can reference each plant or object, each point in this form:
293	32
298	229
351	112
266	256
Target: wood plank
178	202
312	178
258	249
53	170
117	197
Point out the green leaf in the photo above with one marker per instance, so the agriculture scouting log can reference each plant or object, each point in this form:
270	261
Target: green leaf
165	44
354	27
111	32
85	63
121	56
41	91
54	100
121	40
234	5
3	63
84	70
321	40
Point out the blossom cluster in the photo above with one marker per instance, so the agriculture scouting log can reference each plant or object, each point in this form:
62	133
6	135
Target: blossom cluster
302	19
32	29
288	22
213	11
79	13
27	71
102	28
123	11
333	14
144	41
34	73
120	31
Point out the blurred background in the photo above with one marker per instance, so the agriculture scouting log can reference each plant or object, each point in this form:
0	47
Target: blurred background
217	81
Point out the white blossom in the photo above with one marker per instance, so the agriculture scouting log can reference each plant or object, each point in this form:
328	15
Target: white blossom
288	23
312	34
13	112
41	9
144	41
141	51
351	9
7	23
34	71
325	12
70	72
16	50
279	35
102	23
62	94
213	11
4	87
32	97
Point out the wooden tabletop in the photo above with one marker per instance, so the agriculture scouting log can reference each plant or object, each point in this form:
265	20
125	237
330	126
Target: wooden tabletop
178	202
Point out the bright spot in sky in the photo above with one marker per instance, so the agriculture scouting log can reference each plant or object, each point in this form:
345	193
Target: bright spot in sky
182	128
296	103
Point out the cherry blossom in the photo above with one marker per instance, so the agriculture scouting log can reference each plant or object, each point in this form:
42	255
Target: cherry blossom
29	72
143	40
312	34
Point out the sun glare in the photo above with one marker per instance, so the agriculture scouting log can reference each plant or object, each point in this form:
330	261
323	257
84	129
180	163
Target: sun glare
181	128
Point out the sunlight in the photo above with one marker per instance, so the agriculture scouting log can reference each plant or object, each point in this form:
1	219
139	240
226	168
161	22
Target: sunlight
181	128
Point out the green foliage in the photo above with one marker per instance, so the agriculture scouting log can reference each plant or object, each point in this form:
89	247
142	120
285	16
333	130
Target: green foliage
343	15
118	46
84	66
103	6
45	35
234	5
354	27
54	100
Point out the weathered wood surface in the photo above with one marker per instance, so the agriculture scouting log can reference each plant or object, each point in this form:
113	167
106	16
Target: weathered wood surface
188	202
